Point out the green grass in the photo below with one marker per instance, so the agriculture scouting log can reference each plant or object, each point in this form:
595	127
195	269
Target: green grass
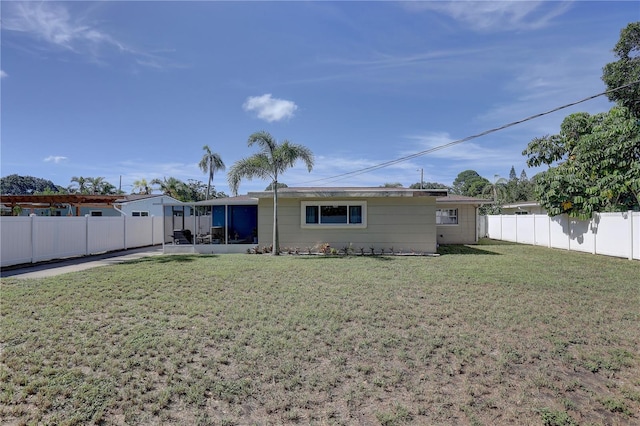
486	334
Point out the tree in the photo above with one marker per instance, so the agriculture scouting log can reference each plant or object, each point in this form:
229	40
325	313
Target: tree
210	163
625	70
469	183
172	187
391	185
81	183
428	185
598	164
142	186
498	189
26	185
280	185
96	185
272	160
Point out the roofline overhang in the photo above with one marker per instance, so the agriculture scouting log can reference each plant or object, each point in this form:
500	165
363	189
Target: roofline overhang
351	193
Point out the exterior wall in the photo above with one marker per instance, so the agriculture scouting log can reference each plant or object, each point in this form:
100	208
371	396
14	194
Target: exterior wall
462	233
404	223
531	209
151	205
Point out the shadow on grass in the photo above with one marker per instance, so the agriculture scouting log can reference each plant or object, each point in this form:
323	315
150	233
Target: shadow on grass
380	257
490	242
463	249
172	258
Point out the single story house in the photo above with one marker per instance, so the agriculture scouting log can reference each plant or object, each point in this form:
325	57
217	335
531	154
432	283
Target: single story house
63	204
457	219
523	207
143	205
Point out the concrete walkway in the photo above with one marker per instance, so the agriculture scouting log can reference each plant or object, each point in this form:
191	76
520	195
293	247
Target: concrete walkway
50	269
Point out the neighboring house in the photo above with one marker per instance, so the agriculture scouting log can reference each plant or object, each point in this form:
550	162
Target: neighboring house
378	218
523	207
142	205
63	204
457	219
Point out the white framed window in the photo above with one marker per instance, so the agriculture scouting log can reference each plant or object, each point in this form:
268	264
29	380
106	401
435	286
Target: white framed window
139	213
446	216
346	214
96	212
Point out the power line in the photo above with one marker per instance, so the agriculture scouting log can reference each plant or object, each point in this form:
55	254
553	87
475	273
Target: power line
459	141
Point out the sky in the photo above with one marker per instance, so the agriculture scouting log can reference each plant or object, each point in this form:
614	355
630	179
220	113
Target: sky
131	90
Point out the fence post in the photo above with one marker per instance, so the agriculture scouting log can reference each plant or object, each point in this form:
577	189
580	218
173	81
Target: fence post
152	230
594	231
86	234
630	218
534	229
124	232
33	238
549	231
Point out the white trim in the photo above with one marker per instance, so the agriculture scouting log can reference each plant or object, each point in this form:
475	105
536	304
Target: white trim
346	203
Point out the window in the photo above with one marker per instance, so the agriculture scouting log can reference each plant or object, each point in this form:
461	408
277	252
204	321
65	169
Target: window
446	216
96	213
339	213
139	214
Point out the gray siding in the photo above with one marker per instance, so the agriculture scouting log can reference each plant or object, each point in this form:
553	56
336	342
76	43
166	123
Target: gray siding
404	223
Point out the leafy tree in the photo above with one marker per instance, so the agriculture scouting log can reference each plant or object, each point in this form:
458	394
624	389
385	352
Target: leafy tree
210	163
280	185
26	185
469	183
391	185
141	186
626	69
598	164
428	185
272	160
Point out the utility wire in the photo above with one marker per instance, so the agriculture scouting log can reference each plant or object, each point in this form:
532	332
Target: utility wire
459	141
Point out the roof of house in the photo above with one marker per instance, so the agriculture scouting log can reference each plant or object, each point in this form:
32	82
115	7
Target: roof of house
137	197
52	199
462	199
307	192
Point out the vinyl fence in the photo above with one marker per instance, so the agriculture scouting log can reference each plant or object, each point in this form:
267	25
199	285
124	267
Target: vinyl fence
30	239
611	234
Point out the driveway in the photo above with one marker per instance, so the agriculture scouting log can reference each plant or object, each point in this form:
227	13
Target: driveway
50	269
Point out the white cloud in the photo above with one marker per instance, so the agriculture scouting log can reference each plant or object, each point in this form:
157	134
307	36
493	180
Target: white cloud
270	109
55	159
496	15
3	74
55	25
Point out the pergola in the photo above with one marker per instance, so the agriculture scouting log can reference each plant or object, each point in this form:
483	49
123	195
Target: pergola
75	201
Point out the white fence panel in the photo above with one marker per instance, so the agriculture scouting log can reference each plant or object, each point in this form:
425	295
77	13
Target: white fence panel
509	228
559	232
526	228
613	234
494	227
581	236
541	223
138	231
106	234
57	238
15	233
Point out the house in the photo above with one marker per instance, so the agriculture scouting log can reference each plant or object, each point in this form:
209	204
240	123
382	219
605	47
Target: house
387	219
523	207
142	205
361	218
457	219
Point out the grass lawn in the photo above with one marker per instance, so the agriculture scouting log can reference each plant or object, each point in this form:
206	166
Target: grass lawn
486	334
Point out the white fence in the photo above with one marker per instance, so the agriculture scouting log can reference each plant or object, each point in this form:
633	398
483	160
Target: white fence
30	239
611	234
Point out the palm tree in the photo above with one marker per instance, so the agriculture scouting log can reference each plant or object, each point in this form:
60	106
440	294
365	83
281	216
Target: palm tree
82	184
172	187
497	188
272	160
209	163
96	185
141	186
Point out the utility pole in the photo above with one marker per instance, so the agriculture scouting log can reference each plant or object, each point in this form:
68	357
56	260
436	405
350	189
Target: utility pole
421	178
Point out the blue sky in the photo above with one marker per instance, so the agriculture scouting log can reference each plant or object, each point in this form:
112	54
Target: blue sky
131	90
